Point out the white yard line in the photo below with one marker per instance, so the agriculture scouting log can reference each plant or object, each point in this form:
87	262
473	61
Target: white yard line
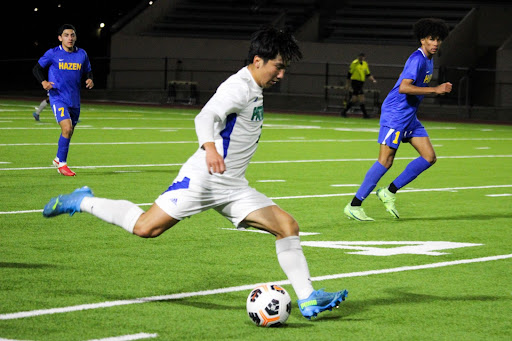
166	129
108	304
444	189
260	162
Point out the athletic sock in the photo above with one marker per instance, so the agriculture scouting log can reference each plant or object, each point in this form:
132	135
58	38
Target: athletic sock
292	261
392	188
413	169
363	109
349	105
41	106
356	202
371	179
122	213
63	148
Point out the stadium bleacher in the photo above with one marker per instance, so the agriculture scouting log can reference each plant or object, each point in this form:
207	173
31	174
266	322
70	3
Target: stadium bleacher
387	22
230	19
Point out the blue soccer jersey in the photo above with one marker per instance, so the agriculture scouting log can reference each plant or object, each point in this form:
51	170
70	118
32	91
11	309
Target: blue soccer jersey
65	70
399	110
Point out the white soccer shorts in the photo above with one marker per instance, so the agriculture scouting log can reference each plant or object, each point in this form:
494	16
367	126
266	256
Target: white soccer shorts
234	204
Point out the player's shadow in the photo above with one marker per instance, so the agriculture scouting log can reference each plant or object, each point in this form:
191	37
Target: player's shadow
401	296
470	217
25	265
242	309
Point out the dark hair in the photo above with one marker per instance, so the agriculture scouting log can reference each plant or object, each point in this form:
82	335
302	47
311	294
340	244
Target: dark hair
270	41
65	27
361	54
430	27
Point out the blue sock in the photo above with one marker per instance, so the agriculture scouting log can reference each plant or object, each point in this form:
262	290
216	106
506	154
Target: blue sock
413	169
62	151
370	180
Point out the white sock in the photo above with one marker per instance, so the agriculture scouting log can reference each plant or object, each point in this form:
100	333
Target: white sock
122	213
292	261
41	107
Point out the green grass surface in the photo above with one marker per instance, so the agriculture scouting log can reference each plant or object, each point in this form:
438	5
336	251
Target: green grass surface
134	153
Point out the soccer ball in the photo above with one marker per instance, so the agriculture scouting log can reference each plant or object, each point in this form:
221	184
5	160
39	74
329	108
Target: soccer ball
269	305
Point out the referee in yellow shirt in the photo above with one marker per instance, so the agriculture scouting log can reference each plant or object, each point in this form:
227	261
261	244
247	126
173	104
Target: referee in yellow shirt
357	75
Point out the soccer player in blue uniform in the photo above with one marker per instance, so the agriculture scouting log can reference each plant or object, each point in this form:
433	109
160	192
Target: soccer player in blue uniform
398	121
66	65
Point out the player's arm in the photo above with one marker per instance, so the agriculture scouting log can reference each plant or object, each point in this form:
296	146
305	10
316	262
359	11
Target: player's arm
406	87
40	73
89	81
204	122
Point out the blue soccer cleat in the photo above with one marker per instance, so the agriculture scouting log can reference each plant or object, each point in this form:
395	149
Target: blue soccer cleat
67	203
36	116
320	301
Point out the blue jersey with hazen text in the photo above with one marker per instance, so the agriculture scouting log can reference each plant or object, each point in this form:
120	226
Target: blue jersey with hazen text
65	70
399	110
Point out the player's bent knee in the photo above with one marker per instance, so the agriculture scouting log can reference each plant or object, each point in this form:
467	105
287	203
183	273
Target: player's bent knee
145	229
288	227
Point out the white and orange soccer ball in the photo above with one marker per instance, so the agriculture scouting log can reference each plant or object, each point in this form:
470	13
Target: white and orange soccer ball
269	305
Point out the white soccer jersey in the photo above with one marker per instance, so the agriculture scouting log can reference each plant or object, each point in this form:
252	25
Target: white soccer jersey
233	119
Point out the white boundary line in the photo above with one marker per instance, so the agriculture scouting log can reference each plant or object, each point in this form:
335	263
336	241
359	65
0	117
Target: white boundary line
108	304
446	189
263	141
261	162
130	337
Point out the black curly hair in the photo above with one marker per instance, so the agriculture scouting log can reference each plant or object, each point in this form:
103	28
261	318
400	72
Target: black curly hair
430	27
65	27
270	41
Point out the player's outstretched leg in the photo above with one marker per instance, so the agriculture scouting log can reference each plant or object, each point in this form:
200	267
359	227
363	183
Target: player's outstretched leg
67	203
388	199
356	212
320	301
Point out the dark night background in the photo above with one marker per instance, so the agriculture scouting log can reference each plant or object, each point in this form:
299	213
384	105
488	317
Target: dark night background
28	33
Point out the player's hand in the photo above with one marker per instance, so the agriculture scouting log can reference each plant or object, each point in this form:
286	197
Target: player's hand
89	84
214	161
444	88
47	85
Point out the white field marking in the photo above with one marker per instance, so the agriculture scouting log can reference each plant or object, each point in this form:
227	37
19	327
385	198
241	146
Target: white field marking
263	162
4	162
138	336
302	234
291	126
483	148
345	185
91	127
291	140
410	190
370	130
124	118
270	180
107	304
126	171
437	145
499	195
427	248
5	121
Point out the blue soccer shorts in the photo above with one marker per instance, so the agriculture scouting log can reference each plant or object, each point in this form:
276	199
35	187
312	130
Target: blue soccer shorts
63	112
392	137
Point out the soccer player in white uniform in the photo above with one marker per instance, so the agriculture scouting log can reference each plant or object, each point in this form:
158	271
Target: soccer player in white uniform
228	129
